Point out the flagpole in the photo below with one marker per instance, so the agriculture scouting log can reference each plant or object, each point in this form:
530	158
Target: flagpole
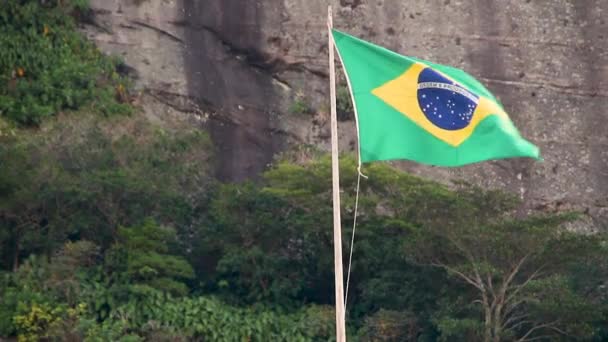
340	317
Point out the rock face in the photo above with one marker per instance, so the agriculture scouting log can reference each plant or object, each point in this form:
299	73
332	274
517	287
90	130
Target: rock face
254	73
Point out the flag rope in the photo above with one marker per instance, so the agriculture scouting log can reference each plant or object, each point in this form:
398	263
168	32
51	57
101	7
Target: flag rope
352	240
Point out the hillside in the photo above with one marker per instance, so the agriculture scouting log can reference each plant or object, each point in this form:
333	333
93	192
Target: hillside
164	176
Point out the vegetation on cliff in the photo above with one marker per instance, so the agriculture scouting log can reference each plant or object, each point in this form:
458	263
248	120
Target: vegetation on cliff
47	66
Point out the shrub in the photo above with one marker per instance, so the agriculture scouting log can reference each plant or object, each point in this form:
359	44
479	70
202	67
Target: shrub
35	323
344	105
300	107
208	319
20	291
45	321
148	260
386	325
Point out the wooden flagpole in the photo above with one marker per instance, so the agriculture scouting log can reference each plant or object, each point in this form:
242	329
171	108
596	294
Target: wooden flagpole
340	317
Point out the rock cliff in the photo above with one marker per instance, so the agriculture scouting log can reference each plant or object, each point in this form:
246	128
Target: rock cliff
254	73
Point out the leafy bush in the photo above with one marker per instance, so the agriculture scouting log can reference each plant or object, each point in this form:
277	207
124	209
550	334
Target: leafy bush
37	322
386	325
43	321
107	330
47	66
82	179
207	318
300	107
344	104
148	261
22	290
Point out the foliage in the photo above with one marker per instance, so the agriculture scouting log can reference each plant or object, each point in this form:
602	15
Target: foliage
148	261
283	248
82	180
108	330
34	325
147	313
299	106
59	69
201	317
386	325
45	322
288	257
344	104
284	227
21	290
114	230
518	270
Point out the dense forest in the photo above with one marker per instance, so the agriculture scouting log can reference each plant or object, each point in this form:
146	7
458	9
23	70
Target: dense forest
114	228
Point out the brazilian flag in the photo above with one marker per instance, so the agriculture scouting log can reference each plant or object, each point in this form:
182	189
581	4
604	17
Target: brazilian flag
434	114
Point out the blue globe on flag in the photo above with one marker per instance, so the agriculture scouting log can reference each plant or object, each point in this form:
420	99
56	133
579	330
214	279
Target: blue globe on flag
446	104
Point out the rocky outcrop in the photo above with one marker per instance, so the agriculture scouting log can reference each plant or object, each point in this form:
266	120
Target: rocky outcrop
237	67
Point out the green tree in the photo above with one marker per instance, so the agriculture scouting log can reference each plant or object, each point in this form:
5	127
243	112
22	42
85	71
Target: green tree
272	242
266	249
145	251
519	271
80	178
25	176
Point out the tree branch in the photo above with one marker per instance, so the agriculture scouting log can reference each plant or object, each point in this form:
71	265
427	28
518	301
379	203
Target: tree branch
520	323
512	307
491	289
518	288
533	329
536	338
513	273
466	278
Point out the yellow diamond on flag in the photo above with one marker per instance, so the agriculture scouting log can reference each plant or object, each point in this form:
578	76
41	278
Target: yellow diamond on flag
436	103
